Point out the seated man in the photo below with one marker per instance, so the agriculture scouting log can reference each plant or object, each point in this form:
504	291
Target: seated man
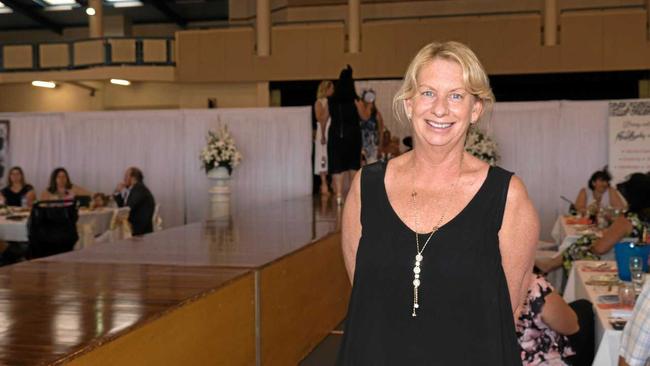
635	342
134	194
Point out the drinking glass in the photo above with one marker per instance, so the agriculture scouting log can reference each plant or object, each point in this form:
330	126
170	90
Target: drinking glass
626	294
636	272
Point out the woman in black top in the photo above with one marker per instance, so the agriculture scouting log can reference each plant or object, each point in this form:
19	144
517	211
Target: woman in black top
438	244
344	134
17	192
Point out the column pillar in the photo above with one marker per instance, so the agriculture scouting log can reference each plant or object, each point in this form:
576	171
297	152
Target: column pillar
354	26
263	27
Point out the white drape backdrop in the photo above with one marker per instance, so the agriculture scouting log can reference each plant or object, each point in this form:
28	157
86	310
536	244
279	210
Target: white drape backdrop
553	146
96	147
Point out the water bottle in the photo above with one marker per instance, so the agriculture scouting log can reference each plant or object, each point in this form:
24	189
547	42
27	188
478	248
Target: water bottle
23	201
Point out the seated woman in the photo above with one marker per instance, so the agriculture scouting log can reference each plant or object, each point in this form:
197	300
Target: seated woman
18	193
61	188
543	325
599	193
636	191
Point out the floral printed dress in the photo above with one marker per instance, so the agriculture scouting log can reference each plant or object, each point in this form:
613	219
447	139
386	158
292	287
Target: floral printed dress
540	345
580	249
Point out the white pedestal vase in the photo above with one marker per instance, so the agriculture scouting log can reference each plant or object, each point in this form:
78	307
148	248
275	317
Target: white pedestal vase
219	193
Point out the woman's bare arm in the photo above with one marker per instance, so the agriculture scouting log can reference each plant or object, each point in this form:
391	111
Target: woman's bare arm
351	225
518	239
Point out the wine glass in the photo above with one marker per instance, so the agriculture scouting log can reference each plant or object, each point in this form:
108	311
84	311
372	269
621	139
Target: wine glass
636	272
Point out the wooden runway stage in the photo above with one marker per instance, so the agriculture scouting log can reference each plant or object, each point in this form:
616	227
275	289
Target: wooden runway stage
262	288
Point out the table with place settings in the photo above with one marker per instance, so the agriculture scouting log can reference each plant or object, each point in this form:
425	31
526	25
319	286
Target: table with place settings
97	221
568	229
592	280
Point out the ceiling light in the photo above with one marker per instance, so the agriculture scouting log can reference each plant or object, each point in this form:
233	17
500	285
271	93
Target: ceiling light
60	2
4	9
126	4
59	8
90	11
120	82
44	84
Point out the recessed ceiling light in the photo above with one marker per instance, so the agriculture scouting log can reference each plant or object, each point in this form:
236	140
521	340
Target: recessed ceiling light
4	9
59	8
90	11
120	82
44	84
60	2
126	4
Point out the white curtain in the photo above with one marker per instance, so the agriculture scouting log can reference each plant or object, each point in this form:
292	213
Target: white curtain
276	148
527	135
553	146
96	148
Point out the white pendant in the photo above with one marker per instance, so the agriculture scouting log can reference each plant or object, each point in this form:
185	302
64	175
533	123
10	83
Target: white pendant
416	282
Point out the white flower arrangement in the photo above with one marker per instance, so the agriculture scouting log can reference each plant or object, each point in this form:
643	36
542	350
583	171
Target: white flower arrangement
481	146
220	151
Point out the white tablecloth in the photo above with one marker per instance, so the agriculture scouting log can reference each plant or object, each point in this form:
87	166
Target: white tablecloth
607	338
99	220
565	235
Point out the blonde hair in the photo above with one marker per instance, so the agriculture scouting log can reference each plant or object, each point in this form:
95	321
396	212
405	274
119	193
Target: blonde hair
322	89
474	76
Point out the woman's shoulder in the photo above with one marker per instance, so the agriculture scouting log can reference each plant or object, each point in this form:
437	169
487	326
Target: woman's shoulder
28	187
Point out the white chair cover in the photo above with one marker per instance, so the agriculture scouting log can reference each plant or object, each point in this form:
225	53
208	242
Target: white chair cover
157	219
120	227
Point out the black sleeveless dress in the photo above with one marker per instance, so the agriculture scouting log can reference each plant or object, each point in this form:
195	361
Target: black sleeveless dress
464	318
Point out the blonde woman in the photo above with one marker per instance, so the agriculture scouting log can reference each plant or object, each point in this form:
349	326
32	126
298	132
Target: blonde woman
325	90
439	246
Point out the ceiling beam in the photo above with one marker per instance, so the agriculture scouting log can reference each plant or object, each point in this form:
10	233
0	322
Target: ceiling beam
32	13
163	7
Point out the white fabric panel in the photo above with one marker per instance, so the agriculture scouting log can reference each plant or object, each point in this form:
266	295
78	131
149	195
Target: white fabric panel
100	146
527	135
96	148
583	144
35	142
553	146
276	147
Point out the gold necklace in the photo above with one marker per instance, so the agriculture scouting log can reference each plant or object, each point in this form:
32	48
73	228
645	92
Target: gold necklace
418	256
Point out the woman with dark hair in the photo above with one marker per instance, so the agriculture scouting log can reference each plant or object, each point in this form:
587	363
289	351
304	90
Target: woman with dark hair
61	188
636	190
599	193
344	135
18	193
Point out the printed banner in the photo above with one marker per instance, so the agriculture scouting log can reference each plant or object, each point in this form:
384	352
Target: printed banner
629	138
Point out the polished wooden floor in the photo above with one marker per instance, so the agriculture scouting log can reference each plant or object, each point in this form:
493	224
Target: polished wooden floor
61	308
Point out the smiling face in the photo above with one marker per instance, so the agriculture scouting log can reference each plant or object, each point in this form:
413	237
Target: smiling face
62	180
441	109
600	185
16	177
